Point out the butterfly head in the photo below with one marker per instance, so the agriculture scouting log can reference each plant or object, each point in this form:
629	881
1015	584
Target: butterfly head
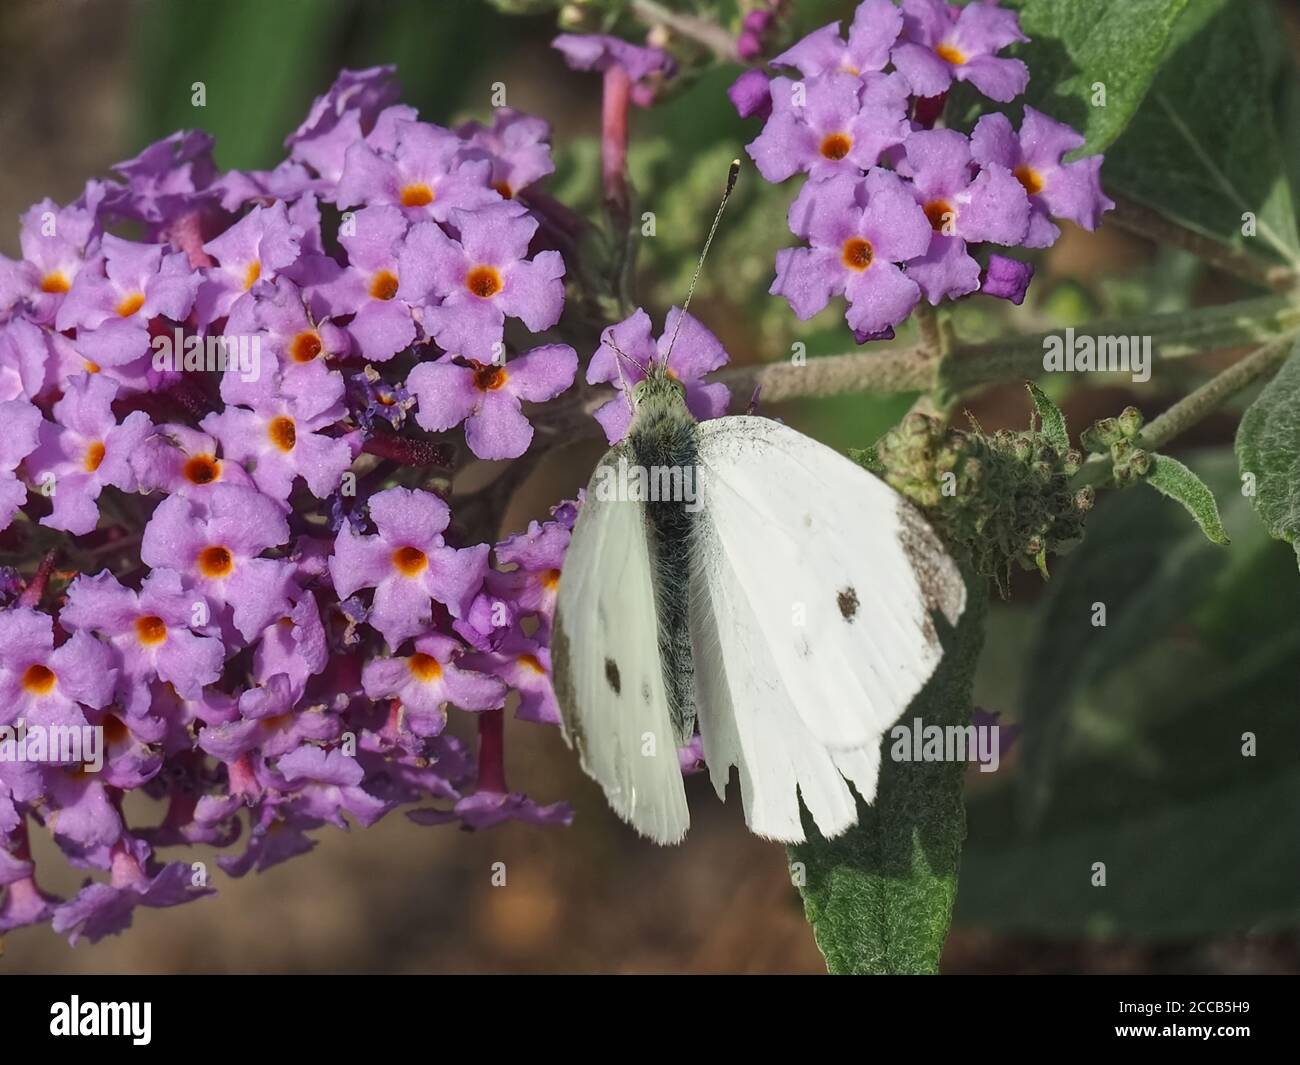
659	384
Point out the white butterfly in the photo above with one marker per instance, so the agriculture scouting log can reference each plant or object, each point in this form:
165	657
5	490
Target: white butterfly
785	603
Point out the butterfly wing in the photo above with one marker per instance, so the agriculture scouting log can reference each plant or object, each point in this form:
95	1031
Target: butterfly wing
608	672
811	621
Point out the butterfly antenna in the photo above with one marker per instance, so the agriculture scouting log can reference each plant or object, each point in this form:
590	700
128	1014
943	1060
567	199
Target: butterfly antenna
732	174
627	392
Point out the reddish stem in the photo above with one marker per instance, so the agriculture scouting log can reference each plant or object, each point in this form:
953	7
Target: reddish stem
492	751
408	452
31	596
615	106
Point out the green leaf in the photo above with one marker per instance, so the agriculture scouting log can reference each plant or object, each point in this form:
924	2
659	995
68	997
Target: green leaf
880	896
1171	478
1052	418
1268	450
1204	148
1076	44
1139	566
1197	835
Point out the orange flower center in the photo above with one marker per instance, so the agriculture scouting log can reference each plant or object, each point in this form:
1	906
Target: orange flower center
38	679
416	195
550	578
1030	178
837	145
383	286
305	346
94	456
940	213
150	630
952	54
531	662
424	667
488	377
283	432
216	562
130	304
483	281
858	253
54	282
504	188
91	367
251	275
409	561
202	469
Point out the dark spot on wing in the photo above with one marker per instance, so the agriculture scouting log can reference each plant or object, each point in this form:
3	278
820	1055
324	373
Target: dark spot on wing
645	692
611	675
848	602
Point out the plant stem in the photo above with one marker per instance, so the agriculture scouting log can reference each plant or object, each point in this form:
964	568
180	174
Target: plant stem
709	34
1191	409
1142	220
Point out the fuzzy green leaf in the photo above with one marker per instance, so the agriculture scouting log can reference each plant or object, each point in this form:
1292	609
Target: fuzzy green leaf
1204	149
1268	450
1077	44
880	896
1052	418
1171	478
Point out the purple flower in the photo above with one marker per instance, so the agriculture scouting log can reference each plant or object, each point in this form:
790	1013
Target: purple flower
294	646
875	27
486	396
327	783
113	299
83	450
151	630
751	94
44	685
1006	278
525	666
382	323
407	563
169	178
56	242
281	441
268	724
1064	190
835	124
25	351
992	206
340	115
256	248
429	679
487	809
859	232
101	910
696	353
179	460
278	834
478	281
517	145
599	51
424	174
943	42
218	551
21	423
295	343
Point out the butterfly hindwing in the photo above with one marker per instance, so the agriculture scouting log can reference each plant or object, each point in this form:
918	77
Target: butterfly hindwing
608	671
812	592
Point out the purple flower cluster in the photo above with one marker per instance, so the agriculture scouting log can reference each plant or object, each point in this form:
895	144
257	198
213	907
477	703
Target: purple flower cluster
285	623
894	209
